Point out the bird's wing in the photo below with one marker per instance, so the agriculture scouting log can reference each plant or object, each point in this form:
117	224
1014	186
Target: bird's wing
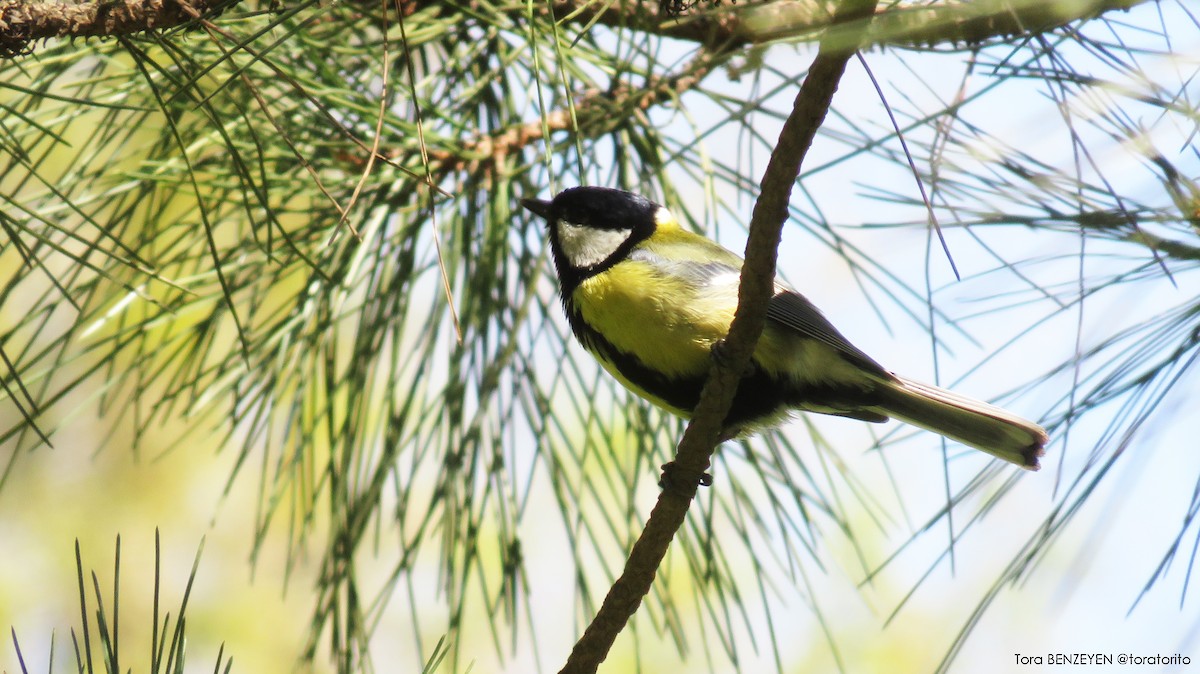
793	310
699	261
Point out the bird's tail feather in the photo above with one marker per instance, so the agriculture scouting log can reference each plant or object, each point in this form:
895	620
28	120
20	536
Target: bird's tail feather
971	422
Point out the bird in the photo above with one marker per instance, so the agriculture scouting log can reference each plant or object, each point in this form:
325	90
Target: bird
650	300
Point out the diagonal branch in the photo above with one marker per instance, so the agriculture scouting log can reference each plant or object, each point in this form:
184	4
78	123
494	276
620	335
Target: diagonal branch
758	274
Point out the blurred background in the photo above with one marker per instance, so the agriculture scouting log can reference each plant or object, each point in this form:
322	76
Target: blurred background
266	289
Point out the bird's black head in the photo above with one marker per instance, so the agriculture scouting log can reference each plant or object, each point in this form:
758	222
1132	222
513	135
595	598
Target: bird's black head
593	228
596	207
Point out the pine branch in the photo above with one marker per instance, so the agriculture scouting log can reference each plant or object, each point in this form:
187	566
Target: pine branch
727	27
730	28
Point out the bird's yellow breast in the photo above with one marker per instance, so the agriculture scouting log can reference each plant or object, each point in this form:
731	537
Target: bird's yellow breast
655	318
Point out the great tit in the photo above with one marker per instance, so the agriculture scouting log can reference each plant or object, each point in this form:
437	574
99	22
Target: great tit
650	299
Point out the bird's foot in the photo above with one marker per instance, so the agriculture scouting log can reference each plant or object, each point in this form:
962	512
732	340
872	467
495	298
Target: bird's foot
720	355
677	477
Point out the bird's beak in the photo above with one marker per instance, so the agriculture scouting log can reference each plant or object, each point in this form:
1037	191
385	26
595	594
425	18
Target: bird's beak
537	207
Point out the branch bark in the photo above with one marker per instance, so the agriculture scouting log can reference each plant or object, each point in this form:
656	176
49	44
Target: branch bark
757	282
23	22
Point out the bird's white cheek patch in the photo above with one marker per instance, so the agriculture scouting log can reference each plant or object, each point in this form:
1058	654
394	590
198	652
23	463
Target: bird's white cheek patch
587	246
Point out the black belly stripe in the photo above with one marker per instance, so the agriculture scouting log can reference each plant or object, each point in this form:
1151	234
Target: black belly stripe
759	396
681	393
